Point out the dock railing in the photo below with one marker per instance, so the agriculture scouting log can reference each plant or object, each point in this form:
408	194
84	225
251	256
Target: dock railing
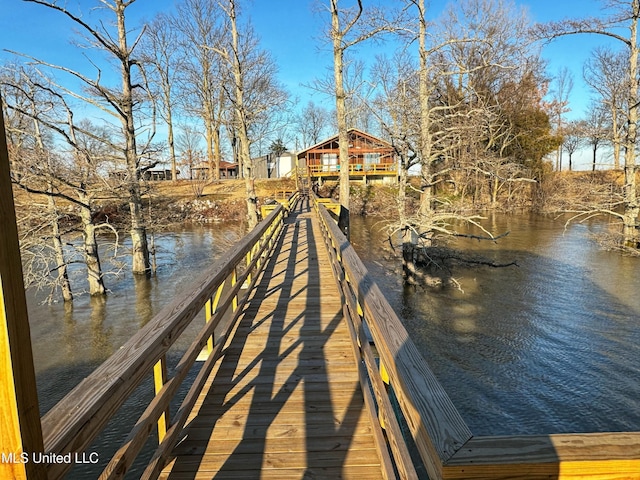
219	293
394	369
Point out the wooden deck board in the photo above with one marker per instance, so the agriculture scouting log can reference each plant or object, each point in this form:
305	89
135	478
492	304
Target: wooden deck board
284	402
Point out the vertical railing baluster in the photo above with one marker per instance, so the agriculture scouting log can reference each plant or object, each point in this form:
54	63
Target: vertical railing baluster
210	308
159	379
234	280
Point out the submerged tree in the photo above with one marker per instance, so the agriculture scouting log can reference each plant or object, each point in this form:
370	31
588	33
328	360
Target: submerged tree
119	103
468	111
41	242
73	176
350	27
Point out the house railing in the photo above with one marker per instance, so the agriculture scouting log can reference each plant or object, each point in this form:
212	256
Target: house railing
394	369
218	296
354	169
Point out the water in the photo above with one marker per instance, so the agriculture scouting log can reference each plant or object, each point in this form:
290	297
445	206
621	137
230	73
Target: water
549	346
70	342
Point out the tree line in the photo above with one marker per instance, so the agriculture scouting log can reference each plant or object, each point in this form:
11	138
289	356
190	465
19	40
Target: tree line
86	135
464	100
473	106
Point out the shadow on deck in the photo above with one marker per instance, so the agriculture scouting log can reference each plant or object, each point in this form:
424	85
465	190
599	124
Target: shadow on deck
284	401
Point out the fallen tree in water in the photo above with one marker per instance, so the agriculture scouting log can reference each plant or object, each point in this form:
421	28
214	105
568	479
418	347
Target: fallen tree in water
434	266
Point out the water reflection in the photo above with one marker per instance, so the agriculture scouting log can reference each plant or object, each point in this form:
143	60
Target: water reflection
143	286
101	334
69	341
549	346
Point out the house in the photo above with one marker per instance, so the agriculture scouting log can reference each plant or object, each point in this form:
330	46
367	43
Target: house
156	175
272	166
228	170
370	158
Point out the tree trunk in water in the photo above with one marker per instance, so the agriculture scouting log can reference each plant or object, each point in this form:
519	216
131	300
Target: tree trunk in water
426	173
408	236
631	205
91	256
61	262
494	192
140	249
409	268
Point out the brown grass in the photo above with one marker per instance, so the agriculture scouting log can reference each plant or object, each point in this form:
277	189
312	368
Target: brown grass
224	189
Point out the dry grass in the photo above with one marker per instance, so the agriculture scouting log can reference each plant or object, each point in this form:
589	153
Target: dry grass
222	190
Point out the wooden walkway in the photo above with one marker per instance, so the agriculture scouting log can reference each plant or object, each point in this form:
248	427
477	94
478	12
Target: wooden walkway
287	402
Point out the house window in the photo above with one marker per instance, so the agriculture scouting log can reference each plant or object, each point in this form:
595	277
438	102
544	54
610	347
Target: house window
329	162
371	158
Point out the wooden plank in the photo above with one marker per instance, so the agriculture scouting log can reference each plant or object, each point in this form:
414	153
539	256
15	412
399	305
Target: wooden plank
438	429
276	460
304	391
285	396
571	456
20	428
288	443
75	421
236	427
345	472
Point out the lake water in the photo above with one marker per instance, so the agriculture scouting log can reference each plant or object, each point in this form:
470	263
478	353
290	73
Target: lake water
69	343
549	346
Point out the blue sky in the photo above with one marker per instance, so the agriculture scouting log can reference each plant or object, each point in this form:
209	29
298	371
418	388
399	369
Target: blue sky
290	30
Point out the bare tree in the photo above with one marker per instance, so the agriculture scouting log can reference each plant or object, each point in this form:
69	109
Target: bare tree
595	130
119	103
624	16
232	54
75	180
266	101
605	72
468	109
350	27
559	105
41	242
312	123
573	139
160	51
203	75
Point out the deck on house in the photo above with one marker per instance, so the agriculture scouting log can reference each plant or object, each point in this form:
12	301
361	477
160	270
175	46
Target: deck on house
284	401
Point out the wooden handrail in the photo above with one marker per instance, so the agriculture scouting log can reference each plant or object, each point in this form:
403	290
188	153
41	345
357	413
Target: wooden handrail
446	445
437	427
73	423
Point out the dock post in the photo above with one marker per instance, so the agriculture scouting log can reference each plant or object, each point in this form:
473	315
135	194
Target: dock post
21	430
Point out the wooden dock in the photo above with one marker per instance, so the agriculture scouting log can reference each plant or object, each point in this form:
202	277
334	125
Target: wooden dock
284	401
